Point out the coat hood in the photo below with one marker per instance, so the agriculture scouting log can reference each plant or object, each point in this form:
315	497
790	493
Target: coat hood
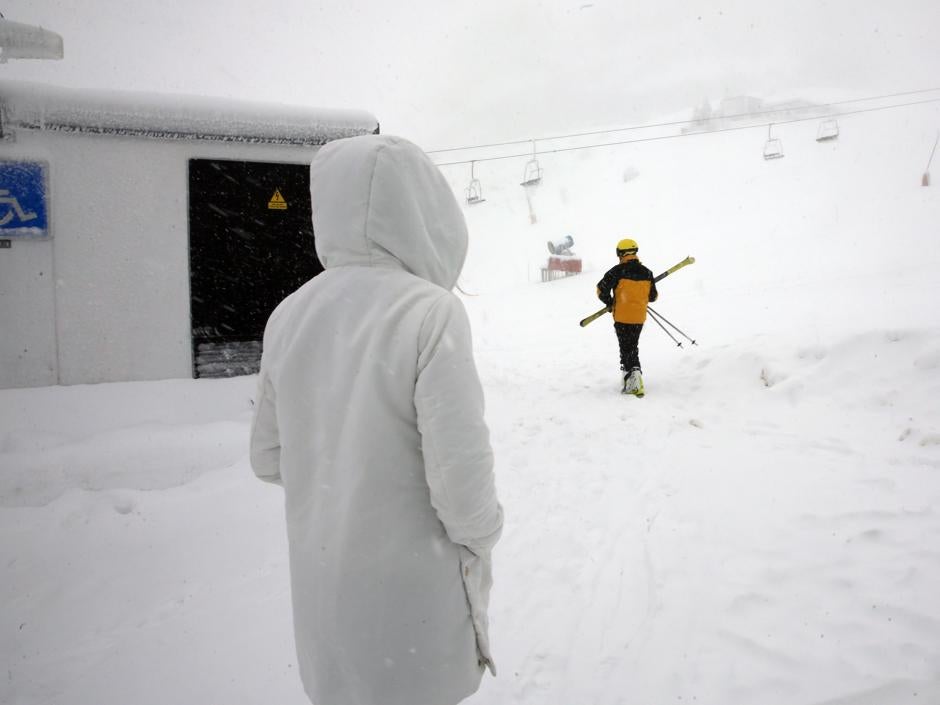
379	201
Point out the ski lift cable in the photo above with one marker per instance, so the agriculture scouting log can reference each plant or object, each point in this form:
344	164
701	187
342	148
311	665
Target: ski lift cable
690	122
686	134
691	134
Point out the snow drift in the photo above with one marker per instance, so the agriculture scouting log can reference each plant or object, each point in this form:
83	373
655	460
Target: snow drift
762	528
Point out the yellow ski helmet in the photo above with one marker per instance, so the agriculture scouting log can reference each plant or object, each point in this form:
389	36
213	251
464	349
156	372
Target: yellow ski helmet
627	247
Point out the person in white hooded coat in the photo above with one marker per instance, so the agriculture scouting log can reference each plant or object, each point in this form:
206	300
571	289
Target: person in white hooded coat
370	414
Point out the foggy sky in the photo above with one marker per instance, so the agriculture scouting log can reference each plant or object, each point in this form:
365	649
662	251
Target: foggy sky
448	73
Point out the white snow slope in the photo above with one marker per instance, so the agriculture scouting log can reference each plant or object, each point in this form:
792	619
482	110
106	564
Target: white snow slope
762	529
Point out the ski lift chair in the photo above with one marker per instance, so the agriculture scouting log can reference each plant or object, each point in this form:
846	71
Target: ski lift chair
533	172
474	189
474	192
828	130
773	148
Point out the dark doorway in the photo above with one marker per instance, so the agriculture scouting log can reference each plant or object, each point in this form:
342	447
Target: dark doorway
250	245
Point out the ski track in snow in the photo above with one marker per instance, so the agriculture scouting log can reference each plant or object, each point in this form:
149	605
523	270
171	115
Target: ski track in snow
758	529
698	527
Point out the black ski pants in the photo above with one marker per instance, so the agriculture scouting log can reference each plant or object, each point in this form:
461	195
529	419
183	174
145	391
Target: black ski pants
628	335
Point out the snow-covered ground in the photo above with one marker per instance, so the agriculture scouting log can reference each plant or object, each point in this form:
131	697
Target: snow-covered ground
763	528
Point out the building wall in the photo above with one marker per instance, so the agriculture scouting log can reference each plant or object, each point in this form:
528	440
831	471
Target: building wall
107	297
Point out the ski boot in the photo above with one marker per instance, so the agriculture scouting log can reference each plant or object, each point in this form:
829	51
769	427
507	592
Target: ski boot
633	383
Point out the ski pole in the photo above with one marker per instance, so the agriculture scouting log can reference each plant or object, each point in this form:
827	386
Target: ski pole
658	315
687	261
656	320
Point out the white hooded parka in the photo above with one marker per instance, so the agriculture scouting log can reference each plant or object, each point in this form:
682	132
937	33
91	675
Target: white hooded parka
370	413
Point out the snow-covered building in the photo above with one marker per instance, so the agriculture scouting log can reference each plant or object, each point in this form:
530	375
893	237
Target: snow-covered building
746	110
148	236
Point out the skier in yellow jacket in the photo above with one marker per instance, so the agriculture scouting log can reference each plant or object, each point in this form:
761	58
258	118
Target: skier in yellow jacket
626	290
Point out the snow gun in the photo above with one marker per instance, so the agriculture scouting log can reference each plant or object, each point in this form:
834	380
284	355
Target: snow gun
683	263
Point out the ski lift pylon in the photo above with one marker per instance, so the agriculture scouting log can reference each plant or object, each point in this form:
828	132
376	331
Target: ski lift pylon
828	130
925	179
533	172
773	148
474	189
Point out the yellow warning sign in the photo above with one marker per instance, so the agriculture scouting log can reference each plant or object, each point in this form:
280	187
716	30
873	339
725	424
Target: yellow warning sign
277	202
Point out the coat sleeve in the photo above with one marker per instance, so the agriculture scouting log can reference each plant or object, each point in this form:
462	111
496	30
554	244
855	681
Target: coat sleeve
265	443
654	293
604	287
458	460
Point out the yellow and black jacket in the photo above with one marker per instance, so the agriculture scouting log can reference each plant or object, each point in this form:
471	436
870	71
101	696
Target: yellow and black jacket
629	286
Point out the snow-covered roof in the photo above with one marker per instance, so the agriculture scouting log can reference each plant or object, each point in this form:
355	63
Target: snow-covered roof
36	106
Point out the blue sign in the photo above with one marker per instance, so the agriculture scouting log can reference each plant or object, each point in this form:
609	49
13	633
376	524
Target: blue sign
23	199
